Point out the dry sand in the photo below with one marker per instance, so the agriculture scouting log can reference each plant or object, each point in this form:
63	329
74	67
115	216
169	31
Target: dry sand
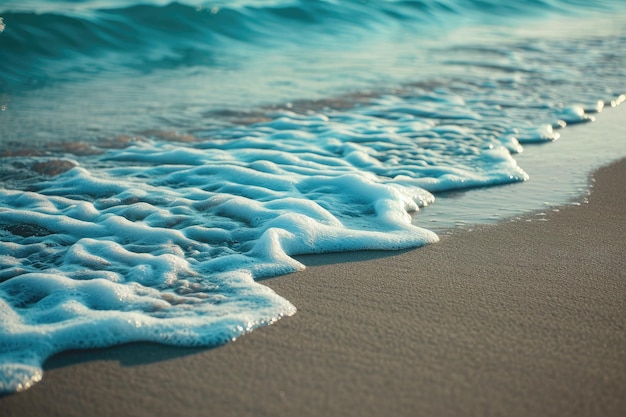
523	318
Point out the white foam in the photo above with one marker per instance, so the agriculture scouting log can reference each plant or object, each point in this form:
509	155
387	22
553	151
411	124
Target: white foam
163	241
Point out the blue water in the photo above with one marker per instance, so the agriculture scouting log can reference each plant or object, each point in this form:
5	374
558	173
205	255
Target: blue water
159	158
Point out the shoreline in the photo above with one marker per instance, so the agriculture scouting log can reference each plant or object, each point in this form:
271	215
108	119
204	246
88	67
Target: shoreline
523	317
559	176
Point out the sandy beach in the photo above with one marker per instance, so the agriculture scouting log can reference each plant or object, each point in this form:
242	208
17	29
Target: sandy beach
522	318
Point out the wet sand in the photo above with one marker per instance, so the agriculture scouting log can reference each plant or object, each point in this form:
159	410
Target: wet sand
523	318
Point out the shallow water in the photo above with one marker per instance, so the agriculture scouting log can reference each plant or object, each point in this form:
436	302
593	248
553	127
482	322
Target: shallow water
158	158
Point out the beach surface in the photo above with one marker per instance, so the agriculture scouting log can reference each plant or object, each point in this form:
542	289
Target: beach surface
523	318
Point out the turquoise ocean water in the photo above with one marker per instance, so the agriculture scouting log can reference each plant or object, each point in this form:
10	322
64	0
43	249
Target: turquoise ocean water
158	158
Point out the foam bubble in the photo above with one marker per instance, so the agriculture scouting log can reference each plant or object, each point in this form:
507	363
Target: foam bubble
163	241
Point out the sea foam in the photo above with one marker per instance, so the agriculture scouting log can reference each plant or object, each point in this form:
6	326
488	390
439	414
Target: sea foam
163	241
